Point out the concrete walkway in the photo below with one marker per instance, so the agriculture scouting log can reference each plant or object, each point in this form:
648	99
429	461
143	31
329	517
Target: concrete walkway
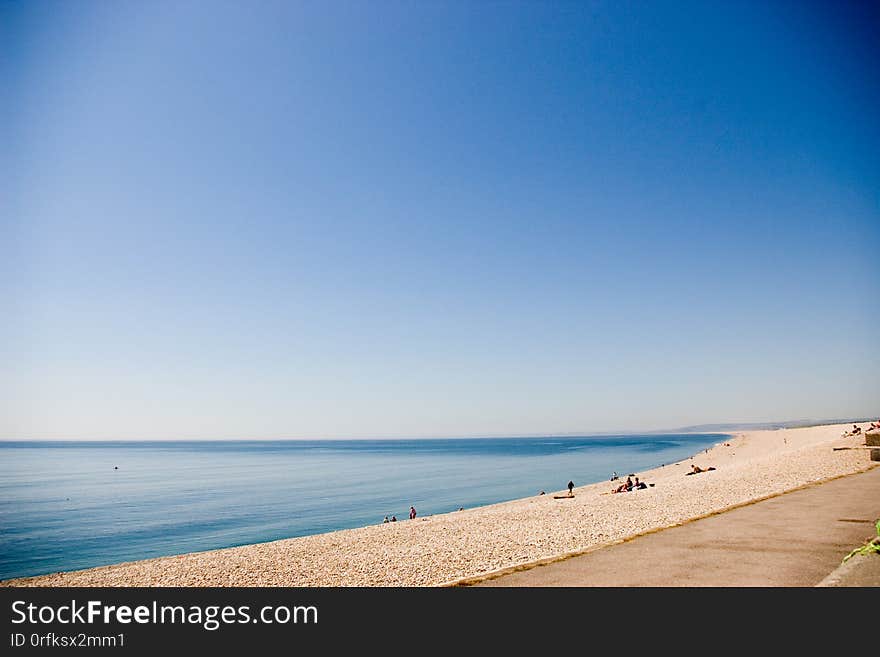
795	539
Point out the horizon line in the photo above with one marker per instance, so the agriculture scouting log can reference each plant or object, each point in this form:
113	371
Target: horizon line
713	427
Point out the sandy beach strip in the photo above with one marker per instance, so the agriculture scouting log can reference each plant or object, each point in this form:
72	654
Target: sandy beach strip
444	549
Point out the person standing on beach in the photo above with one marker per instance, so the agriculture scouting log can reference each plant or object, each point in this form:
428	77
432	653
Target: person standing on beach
412	513
570	488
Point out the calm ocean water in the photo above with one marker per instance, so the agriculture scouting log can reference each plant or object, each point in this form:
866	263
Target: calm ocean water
64	506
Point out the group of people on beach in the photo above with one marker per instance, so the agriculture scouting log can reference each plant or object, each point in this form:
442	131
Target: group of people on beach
857	430
628	485
412	515
632	483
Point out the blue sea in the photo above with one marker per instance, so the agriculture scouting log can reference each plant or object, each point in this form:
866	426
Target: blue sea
72	505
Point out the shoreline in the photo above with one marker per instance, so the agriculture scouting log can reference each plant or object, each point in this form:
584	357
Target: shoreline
482	542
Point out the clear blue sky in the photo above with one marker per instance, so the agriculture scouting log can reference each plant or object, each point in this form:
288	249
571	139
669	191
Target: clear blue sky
285	219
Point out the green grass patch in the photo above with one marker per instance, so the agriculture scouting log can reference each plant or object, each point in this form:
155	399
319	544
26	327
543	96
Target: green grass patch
871	547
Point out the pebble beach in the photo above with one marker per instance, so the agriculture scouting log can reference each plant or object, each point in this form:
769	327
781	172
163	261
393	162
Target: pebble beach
473	543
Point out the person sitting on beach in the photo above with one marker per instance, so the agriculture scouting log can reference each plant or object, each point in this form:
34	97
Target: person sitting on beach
856	430
412	513
393	518
639	484
386	520
629	483
614	476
